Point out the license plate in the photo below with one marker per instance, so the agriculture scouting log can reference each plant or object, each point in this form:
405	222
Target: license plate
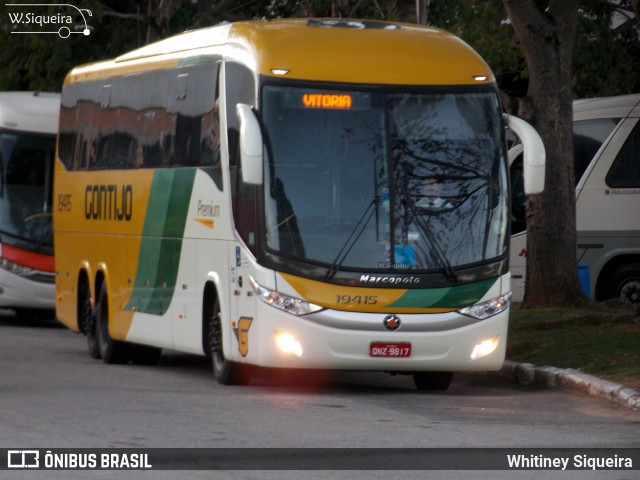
393	350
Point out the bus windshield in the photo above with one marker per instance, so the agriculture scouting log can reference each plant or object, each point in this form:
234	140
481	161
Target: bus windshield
26	162
384	181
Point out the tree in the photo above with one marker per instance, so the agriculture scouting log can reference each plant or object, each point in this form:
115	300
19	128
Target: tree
606	58
546	31
605	61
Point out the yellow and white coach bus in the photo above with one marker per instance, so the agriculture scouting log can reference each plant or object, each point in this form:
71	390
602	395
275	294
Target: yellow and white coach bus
28	127
303	193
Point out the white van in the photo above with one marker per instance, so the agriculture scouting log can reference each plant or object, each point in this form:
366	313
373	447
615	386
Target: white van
606	141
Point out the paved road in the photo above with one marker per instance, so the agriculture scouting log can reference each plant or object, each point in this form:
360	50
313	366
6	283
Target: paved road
53	395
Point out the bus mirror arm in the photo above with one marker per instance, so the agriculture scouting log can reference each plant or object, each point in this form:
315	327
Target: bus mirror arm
250	144
514	152
534	156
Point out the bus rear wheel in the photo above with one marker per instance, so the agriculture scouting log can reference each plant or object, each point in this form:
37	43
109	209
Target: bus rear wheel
432	381
111	351
225	371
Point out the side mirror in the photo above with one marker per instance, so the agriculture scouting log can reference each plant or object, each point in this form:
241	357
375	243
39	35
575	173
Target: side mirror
250	144
534	155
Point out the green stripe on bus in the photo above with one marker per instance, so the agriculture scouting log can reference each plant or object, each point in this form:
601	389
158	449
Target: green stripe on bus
161	243
449	297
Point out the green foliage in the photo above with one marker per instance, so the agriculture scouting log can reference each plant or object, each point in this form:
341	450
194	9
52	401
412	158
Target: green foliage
484	26
606	61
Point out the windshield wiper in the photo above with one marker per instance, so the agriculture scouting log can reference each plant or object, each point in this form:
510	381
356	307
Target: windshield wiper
438	253
353	238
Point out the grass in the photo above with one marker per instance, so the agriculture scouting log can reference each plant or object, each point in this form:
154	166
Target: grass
602	340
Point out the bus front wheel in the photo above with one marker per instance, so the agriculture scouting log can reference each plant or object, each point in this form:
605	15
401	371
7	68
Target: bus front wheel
225	371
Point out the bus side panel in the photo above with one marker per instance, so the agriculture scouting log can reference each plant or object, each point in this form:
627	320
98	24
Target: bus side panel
518	265
104	255
204	258
599	206
66	282
178	259
99	217
608	219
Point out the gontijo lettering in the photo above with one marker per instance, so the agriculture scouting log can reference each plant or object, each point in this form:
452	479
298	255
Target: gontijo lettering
108	202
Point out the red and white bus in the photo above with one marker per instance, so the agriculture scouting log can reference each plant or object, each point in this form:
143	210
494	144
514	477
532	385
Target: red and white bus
28	126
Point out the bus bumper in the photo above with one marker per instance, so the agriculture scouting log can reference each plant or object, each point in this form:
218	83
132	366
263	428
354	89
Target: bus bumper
421	343
20	292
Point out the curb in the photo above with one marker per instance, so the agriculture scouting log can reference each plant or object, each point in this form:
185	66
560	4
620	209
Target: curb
529	374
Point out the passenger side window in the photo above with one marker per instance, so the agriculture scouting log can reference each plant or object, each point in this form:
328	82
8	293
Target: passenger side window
588	137
240	88
159	119
625	172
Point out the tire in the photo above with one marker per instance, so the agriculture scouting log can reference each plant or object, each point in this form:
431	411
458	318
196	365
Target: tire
624	283
432	381
111	351
145	355
225	371
87	320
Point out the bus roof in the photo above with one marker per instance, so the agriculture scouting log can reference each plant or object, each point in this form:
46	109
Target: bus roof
620	106
347	51
30	111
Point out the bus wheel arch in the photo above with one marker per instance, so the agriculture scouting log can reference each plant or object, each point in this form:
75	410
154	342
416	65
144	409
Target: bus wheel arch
620	278
225	371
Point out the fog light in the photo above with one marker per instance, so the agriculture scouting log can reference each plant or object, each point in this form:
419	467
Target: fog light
287	344
484	348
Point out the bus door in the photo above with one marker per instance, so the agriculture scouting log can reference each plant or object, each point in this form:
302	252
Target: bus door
243	306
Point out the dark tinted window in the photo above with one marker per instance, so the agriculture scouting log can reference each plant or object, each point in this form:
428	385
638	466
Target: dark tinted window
166	118
588	137
625	172
26	167
240	86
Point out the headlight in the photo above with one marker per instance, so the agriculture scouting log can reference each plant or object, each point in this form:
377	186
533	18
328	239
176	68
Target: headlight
15	268
489	308
292	305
